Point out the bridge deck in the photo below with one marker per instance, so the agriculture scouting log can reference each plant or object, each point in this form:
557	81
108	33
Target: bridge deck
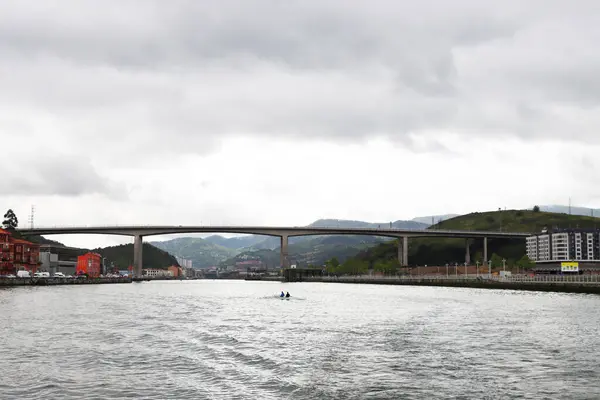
267	230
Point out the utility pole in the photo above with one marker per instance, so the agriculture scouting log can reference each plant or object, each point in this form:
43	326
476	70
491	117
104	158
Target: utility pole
569	206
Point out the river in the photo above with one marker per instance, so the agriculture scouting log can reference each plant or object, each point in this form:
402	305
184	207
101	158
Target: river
236	340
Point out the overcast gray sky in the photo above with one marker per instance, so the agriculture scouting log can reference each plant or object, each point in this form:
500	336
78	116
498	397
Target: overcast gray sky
271	112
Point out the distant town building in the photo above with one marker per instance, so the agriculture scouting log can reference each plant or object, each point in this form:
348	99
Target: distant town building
155	272
191	272
564	245
175	271
89	264
55	258
184	262
17	254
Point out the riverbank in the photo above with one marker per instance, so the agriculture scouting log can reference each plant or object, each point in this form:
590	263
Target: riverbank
6	282
561	286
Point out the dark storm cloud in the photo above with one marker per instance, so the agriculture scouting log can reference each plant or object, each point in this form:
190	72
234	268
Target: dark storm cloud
144	77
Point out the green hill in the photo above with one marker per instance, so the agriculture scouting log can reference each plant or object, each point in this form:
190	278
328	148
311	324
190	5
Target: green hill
122	256
202	252
311	251
434	251
517	221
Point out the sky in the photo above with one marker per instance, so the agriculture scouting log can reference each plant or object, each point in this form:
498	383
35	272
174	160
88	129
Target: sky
280	113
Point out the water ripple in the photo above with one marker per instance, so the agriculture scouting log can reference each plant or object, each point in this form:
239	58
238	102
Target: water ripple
236	340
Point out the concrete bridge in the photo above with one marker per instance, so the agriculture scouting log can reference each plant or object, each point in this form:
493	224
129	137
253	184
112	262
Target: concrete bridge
284	233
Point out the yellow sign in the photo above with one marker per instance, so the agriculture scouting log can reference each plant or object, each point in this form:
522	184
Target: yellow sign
569	266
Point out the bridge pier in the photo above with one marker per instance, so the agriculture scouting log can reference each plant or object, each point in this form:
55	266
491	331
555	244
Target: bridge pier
485	255
403	251
283	255
138	246
468	252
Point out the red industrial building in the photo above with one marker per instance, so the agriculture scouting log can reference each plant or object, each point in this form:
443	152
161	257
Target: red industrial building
17	254
89	264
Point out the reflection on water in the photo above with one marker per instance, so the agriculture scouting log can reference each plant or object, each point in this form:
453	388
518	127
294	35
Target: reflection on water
238	340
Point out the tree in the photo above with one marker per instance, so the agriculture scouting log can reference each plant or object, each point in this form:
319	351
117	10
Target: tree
496	260
389	267
332	266
536	208
525	262
10	220
354	267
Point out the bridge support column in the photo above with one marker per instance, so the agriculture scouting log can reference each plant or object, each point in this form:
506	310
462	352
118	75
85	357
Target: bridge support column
485	255
468	252
284	252
403	251
138	246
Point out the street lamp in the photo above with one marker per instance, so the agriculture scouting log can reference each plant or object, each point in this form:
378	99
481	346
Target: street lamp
447	270
477	266
504	265
456	269
465	268
490	269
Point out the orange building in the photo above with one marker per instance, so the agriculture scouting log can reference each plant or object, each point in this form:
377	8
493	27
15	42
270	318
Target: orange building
17	254
90	264
175	271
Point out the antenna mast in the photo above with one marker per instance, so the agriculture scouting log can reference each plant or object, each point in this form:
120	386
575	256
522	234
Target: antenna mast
31	216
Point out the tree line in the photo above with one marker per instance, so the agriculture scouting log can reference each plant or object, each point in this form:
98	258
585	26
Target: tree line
355	266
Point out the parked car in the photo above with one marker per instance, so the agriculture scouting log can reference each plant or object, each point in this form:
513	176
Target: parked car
41	275
59	275
23	274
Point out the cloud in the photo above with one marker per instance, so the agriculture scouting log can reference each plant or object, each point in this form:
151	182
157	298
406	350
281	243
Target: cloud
55	175
192	73
285	112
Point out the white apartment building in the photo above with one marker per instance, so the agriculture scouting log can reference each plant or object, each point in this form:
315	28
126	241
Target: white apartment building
564	245
184	262
560	246
590	246
154	272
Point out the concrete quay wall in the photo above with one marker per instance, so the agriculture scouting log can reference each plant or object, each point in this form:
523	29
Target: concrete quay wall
563	287
6	282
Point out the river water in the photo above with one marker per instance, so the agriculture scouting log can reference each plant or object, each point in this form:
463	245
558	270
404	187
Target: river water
236	340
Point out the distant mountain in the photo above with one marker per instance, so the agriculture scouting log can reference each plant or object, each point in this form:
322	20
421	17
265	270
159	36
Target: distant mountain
202	252
237	242
344	223
216	249
311	250
435	218
590	212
